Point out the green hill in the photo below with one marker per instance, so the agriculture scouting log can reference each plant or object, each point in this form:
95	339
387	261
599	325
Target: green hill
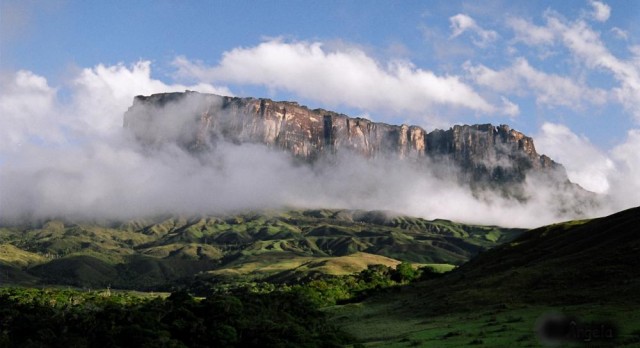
568	263
586	272
158	252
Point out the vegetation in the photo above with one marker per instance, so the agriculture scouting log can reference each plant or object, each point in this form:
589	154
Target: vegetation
235	314
587	270
66	318
287	288
162	253
384	323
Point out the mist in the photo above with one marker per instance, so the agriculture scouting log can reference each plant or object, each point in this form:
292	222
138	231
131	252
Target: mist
72	158
117	179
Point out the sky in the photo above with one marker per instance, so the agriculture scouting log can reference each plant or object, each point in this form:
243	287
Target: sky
566	73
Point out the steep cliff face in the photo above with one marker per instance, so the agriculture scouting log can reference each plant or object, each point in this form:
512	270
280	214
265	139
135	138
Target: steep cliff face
485	152
197	121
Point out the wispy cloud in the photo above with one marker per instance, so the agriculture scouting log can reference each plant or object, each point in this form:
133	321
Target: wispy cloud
549	89
462	23
619	33
586	45
589	54
529	33
626	182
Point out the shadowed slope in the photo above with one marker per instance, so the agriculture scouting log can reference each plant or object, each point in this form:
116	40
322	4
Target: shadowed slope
576	262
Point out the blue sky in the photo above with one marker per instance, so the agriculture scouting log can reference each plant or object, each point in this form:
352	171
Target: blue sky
52	39
565	72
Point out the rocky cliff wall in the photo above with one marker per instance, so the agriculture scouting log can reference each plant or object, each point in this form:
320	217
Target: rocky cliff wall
197	121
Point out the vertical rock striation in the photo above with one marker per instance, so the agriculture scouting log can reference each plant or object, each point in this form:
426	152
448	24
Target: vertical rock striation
483	153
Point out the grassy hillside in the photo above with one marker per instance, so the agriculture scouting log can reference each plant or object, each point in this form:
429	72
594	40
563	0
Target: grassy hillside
588	271
569	263
150	253
580	279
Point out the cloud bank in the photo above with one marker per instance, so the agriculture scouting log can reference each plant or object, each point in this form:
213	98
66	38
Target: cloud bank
63	151
72	158
613	173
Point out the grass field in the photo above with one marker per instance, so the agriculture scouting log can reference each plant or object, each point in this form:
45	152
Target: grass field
386	324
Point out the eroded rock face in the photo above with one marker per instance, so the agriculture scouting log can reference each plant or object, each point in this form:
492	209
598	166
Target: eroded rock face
197	121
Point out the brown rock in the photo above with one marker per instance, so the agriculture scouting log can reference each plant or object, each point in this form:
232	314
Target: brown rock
484	153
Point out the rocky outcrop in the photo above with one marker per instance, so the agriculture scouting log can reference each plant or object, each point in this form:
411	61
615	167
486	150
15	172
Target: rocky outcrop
484	153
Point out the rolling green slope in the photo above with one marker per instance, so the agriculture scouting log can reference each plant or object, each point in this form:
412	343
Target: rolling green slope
148	253
586	270
569	263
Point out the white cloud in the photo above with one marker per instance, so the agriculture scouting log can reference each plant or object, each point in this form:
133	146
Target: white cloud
30	110
529	33
626	182
601	11
461	23
344	76
549	89
106	175
501	81
586	165
510	108
27	110
586	45
619	33
614	173
105	92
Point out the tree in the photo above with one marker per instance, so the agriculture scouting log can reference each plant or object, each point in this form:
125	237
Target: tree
404	272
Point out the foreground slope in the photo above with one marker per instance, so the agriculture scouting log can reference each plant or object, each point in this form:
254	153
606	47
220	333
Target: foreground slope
585	270
574	262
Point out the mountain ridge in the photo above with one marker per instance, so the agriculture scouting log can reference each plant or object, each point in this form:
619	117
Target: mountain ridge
149	253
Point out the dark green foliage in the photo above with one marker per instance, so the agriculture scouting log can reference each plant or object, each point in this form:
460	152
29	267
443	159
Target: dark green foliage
328	290
404	272
47	318
428	273
322	290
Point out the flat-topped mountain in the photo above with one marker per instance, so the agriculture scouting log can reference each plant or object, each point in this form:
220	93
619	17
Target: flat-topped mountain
483	153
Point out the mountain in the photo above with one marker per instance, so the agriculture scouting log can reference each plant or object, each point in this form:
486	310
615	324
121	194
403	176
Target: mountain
483	154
